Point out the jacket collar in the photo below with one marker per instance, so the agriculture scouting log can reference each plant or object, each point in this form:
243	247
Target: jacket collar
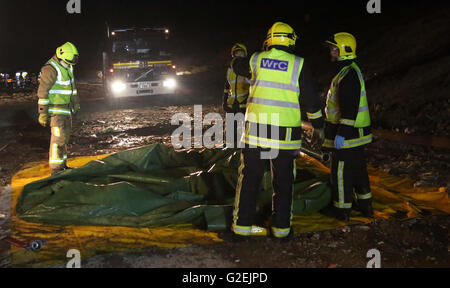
282	48
341	64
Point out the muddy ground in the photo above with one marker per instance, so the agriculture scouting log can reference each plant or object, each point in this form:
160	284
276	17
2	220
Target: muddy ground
99	129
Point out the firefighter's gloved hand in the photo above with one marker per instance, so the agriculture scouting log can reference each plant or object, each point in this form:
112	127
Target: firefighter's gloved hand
43	119
338	142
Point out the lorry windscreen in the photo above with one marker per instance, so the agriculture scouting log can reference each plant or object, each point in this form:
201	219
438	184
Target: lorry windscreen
140	48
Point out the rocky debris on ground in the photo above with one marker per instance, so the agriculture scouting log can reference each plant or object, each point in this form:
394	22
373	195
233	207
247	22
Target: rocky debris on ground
17	97
428	166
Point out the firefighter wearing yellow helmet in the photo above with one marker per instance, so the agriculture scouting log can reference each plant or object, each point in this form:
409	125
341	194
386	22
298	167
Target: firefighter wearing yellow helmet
347	130
236	87
278	78
58	102
235	94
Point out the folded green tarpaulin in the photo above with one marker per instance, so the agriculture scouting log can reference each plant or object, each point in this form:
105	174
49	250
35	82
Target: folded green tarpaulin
157	186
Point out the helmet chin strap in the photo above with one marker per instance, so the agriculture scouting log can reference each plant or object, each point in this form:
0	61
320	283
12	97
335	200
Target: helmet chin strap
348	57
64	64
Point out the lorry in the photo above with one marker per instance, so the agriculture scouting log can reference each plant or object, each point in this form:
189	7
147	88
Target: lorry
138	62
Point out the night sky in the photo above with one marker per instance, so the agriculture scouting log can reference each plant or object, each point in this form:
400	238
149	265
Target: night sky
31	30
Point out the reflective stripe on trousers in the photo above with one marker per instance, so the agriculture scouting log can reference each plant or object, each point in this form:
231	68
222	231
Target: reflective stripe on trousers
341	188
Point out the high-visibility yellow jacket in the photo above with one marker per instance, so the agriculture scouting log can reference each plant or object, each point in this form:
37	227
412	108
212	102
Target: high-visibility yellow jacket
274	100
236	89
347	109
57	90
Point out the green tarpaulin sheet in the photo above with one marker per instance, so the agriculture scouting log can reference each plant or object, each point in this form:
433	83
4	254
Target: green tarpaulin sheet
156	186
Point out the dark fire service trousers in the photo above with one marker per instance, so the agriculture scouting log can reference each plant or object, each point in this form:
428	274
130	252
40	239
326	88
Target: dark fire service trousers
61	127
251	172
349	177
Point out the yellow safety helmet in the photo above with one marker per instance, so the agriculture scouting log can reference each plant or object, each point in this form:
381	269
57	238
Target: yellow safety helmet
68	53
237	47
280	34
346	43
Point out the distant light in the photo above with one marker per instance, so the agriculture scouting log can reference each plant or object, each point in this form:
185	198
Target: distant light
169	83
174	67
166	31
113	33
111	70
118	86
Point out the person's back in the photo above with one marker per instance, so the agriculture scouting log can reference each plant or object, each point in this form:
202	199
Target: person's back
273	128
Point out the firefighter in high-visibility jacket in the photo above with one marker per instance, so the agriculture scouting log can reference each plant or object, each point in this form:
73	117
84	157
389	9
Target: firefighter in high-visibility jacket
58	101
236	87
278	79
235	95
347	130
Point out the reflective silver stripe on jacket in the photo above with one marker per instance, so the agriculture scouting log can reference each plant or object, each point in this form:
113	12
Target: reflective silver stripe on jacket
363	108
294	78
271	102
351	142
316	115
59	111
273	143
331	110
59	78
63	92
347	122
57	70
276	85
65	83
254	66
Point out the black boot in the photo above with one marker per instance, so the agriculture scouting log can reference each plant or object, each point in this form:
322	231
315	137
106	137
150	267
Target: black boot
365	207
63	168
342	214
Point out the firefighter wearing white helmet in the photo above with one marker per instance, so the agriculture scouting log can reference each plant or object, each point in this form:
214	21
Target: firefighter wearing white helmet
235	95
347	130
278	78
58	102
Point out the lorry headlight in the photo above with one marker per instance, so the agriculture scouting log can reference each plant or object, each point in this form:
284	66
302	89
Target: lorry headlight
169	83
118	86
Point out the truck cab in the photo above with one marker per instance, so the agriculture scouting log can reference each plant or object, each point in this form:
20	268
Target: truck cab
138	62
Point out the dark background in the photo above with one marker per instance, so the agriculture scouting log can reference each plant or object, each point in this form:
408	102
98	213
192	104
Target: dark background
202	31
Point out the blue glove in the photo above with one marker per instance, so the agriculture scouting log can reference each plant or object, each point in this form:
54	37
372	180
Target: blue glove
338	142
